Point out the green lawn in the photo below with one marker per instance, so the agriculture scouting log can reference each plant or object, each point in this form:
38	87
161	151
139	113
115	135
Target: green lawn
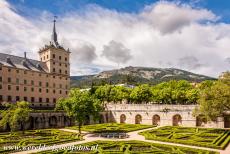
35	138
112	127
130	147
205	137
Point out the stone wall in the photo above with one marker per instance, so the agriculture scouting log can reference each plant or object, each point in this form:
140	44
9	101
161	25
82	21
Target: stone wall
156	114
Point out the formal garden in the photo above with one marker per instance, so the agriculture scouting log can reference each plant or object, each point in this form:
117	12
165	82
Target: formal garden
112	127
14	140
204	137
130	147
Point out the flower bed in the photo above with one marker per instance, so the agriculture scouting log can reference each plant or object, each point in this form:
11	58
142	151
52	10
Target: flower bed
204	137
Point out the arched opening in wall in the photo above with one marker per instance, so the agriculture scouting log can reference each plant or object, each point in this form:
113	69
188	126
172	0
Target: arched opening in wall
101	119
31	121
138	119
200	120
227	121
177	120
156	120
53	121
122	118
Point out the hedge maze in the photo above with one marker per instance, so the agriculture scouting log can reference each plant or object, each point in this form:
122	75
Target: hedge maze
112	127
131	147
34	138
204	137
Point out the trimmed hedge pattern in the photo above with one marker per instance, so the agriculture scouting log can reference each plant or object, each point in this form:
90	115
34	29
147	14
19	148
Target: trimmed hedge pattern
112	127
35	138
204	137
132	147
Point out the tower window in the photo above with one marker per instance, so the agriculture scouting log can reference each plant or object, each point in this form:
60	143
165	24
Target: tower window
53	69
9	80
65	59
53	55
59	57
9	87
60	71
47	56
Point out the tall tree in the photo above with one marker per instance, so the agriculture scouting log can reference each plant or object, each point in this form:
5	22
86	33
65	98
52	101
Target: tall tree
16	115
80	105
215	100
141	93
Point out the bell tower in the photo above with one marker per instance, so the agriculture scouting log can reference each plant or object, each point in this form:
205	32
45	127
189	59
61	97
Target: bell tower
55	56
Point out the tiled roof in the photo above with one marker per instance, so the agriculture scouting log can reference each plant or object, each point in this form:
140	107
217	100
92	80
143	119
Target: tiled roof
22	63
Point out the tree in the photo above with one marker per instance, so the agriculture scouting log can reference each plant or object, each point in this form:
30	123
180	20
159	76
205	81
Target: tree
16	115
119	93
214	101
141	93
80	105
103	93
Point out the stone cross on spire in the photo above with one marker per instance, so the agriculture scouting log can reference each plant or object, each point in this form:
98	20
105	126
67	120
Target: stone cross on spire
54	34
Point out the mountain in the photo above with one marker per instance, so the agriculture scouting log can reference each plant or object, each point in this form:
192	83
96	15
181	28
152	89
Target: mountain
137	75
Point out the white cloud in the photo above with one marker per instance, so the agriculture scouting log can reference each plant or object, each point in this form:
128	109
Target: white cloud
158	36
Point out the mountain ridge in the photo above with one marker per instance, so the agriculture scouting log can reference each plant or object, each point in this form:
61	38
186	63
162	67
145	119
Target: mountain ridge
137	75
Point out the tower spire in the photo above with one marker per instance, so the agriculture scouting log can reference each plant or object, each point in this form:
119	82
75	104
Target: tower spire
54	34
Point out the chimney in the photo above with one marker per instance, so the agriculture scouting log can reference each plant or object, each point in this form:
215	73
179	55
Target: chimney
25	55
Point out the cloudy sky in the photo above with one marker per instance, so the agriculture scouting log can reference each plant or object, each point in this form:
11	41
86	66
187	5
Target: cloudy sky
193	35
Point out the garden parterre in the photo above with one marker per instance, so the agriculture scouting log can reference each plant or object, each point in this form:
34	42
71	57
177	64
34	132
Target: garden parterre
31	138
204	137
130	147
112	127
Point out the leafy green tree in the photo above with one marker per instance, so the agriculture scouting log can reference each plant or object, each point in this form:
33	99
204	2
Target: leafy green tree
16	115
141	93
80	105
103	93
119	93
214	101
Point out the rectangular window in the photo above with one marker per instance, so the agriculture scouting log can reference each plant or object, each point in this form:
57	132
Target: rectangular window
47	100
0	79
17	98
60	92
47	90
0	86
47	84
53	69
40	99
32	82
32	99
17	81
40	90
32	89
40	83
25	89
25	81
65	58
53	55
9	87
9	80
54	100
60	71
1	99
54	91
17	88
9	98
59	57
9	70
25	99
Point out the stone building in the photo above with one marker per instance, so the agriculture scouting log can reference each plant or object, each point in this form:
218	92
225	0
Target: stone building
41	82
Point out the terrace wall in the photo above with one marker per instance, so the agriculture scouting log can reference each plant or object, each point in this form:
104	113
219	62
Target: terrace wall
158	114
